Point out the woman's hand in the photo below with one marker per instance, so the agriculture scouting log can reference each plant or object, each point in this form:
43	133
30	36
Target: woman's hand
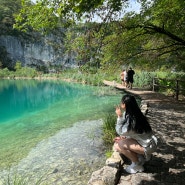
118	111
117	139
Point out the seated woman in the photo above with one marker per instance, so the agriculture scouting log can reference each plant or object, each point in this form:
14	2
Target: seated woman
136	140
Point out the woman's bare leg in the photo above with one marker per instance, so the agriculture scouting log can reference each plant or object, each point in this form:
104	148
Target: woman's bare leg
130	148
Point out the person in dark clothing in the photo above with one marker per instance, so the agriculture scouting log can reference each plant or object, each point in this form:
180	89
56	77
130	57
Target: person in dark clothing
130	77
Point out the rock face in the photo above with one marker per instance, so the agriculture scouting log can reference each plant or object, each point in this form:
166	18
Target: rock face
45	51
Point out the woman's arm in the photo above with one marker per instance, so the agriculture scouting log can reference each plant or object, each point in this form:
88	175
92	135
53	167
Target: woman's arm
122	125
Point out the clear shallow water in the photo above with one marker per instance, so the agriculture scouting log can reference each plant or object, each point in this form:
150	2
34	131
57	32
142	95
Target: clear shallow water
33	110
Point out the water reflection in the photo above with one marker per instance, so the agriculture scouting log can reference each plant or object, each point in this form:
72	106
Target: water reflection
20	96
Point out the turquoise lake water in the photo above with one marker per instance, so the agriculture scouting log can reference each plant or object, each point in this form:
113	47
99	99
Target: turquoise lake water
32	110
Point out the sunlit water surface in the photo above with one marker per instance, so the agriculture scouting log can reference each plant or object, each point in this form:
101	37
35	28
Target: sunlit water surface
32	111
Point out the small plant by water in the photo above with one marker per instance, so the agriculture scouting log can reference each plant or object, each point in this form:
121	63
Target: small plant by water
21	180
109	131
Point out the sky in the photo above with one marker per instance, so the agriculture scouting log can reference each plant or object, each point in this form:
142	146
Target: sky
134	6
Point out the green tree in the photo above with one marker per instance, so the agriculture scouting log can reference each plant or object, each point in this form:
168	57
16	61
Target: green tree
48	14
158	33
153	37
38	17
84	40
7	11
18	66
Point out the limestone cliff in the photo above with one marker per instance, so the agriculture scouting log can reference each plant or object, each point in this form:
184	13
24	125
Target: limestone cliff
45	51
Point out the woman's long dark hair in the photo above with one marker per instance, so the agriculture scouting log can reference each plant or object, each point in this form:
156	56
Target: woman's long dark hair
134	112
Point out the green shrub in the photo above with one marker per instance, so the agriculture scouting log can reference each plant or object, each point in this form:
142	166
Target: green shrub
168	80
109	131
26	72
83	77
143	79
4	72
108	153
18	65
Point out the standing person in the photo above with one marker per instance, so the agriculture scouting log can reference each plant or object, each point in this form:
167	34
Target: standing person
122	75
125	78
130	77
136	140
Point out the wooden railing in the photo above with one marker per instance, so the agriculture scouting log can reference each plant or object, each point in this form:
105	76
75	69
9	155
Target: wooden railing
176	88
